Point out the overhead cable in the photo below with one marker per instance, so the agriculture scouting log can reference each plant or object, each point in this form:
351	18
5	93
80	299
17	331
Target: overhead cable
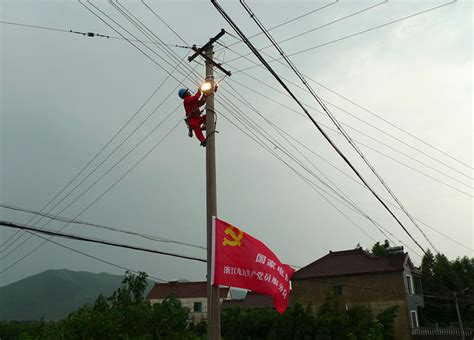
88	34
105	192
93	240
93	183
353	14
379	142
362	32
101	226
299	17
358	118
337	124
172	30
259	56
342	172
87	255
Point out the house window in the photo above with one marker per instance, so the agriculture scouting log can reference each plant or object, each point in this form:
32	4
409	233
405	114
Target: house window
337	290
198	307
414	319
417	285
410	284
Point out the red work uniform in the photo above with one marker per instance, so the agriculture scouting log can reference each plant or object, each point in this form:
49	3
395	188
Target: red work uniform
191	107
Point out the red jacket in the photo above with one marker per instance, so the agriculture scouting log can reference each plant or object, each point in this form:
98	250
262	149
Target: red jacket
192	102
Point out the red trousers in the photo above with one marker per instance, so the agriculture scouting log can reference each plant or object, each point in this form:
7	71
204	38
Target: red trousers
195	124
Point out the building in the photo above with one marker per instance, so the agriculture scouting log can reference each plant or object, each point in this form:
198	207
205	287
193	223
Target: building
193	295
358	277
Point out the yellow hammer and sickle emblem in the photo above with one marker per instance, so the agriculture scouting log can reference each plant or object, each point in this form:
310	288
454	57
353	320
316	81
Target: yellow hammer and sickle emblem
235	242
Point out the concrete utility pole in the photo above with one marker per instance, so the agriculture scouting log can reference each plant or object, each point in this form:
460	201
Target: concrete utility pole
213	306
213	313
459	316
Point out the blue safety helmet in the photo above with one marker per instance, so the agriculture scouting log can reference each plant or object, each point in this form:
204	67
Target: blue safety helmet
182	92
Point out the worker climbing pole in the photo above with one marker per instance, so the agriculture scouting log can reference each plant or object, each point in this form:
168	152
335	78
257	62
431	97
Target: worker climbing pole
208	88
194	120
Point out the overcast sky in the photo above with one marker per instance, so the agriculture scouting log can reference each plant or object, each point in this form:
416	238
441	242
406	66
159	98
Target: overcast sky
64	95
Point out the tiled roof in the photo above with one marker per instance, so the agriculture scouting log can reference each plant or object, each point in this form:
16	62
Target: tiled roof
256	300
182	290
252	300
351	262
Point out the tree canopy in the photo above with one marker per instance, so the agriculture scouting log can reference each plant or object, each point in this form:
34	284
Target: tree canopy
443	278
299	322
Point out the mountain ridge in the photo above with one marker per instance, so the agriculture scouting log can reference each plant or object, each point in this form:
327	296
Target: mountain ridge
54	294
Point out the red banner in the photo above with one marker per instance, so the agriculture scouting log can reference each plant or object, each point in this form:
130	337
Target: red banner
240	260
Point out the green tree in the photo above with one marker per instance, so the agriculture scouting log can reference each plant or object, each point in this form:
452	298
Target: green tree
387	320
362	324
380	249
330	322
443	277
296	323
238	323
128	315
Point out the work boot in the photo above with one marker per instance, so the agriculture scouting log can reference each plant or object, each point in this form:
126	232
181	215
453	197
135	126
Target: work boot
203	143
190	133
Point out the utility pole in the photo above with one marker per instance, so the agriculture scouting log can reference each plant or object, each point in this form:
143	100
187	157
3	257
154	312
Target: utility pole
459	315
213	313
213	305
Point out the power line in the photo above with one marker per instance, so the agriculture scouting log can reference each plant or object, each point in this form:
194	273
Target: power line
319	27
356	116
169	74
88	34
337	20
101	226
97	155
93	240
164	22
285	22
366	123
185	42
128	40
273	141
315	187
374	28
174	32
336	168
391	124
137	144
241	56
259	56
355	181
305	179
192	258
97	180
333	282
338	125
364	134
362	32
93	257
353	115
105	192
350	177
108	143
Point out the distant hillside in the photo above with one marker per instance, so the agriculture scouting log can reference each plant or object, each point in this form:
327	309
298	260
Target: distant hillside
54	294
